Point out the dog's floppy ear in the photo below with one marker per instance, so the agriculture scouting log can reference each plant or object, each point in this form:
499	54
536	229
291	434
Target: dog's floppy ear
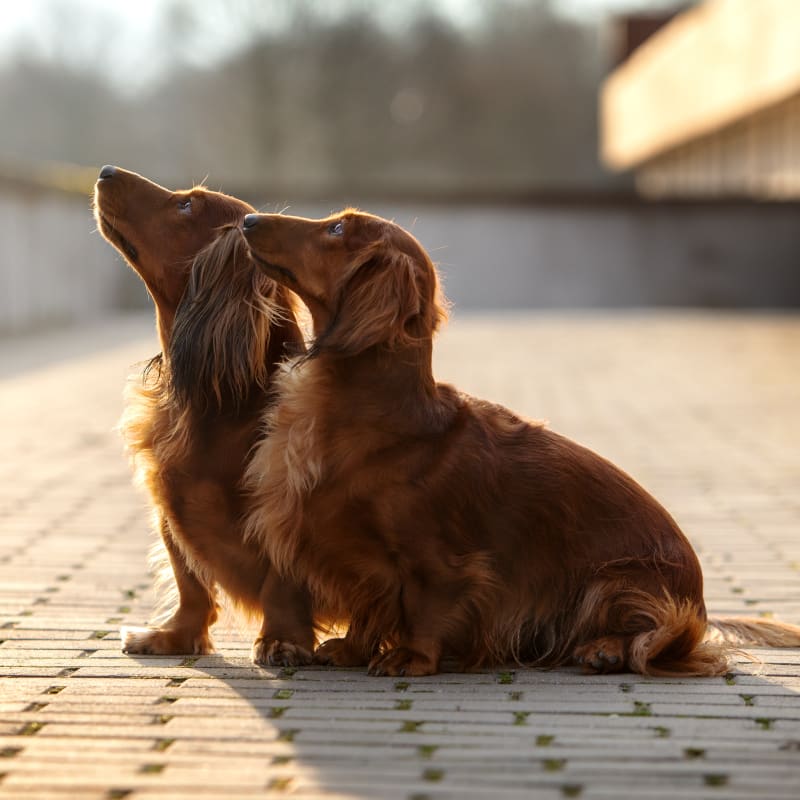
218	348
390	298
375	304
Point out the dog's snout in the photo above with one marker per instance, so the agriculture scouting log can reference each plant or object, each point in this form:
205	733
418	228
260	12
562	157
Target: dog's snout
107	172
250	221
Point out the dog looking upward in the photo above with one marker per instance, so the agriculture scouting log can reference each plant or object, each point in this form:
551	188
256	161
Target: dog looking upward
441	524
195	413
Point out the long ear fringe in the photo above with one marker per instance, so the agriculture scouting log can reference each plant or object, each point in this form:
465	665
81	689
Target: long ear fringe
218	349
392	298
440	305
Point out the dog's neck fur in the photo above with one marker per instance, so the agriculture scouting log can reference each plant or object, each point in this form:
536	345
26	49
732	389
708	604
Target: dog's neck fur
164	323
388	390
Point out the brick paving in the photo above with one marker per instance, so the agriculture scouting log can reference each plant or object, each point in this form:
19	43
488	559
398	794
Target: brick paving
702	409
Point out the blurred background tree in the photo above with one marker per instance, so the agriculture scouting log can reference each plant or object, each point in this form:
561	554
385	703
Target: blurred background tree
449	95
440	114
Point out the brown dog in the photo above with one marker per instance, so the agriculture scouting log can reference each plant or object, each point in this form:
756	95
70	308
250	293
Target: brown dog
195	414
442	524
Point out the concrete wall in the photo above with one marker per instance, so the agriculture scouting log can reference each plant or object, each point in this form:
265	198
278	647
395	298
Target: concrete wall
54	267
607	254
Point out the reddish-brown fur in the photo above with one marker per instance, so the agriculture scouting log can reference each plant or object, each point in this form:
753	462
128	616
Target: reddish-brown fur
195	414
440	524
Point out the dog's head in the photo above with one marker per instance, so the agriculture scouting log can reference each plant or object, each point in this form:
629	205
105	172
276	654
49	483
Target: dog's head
222	322
160	232
365	280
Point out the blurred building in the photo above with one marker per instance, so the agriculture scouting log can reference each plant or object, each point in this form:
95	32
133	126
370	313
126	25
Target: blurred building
708	104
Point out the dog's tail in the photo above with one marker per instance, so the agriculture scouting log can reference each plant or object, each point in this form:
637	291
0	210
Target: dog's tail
681	642
752	632
675	643
663	635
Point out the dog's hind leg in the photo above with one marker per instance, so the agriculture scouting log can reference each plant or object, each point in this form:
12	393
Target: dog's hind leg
356	649
427	611
628	629
186	631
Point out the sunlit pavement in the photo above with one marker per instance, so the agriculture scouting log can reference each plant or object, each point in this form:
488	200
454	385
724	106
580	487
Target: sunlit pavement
703	409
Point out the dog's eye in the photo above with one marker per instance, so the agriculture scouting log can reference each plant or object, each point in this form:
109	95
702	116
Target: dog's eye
336	228
185	205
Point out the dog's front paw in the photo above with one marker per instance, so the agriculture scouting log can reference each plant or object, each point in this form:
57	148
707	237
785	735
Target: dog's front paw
402	661
339	653
279	653
165	642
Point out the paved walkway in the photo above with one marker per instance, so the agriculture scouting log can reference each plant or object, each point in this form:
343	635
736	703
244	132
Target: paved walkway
703	409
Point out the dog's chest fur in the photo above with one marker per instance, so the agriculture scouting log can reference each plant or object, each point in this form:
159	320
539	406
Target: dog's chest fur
287	464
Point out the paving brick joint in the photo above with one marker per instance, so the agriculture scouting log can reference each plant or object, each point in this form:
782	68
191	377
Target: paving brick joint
700	408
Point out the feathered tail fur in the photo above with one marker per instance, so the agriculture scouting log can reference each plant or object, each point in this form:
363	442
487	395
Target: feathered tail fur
752	632
676	644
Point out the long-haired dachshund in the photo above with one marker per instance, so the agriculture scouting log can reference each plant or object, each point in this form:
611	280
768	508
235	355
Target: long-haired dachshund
195	414
441	524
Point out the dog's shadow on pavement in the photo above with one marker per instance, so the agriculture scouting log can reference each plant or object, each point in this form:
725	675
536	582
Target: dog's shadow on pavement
318	729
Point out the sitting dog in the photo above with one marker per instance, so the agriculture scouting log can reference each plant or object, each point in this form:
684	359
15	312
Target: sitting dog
195	413
441	524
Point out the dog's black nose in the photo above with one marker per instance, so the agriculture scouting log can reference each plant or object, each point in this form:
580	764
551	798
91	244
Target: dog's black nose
250	221
107	172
